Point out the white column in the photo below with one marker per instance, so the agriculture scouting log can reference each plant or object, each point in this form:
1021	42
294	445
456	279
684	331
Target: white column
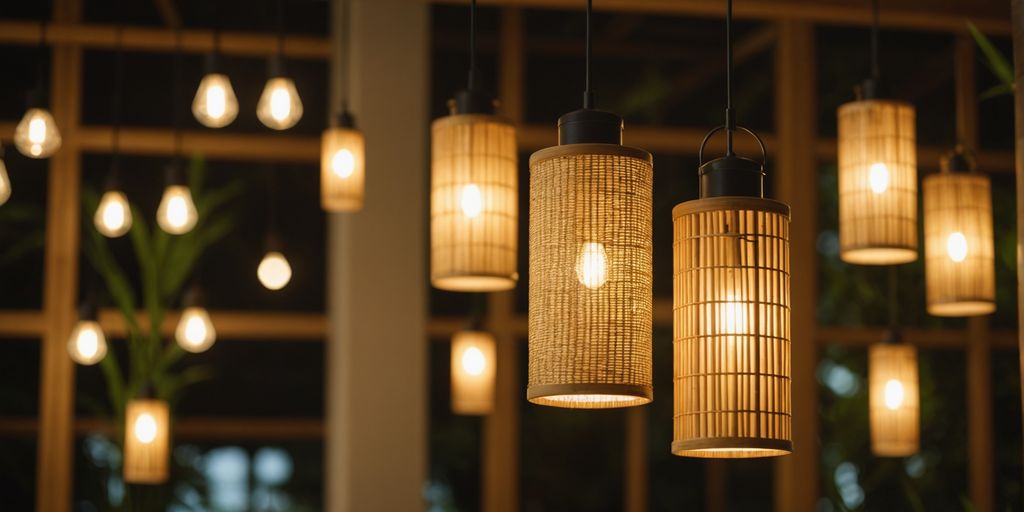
376	429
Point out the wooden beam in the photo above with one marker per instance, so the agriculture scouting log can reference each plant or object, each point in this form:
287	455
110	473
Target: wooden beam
1017	15
234	325
27	323
163	40
715	475
168	12
637	483
500	478
192	429
224	146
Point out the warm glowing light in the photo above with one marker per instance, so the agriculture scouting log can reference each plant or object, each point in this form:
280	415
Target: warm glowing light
893	394
592	265
274	271
878	177
5	184
956	246
195	332
473	361
215	104
471	201
177	213
114	216
145	429
732	317
36	136
279	106
343	163
87	344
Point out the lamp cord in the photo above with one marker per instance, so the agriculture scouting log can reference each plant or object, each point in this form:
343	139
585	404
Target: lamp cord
39	62
280	27
115	102
472	84
346	55
176	99
875	73
588	95
216	27
730	115
893	298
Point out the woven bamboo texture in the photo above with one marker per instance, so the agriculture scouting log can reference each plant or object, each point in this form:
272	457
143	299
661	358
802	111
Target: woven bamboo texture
590	276
473	369
893	399
474	204
146	460
731	337
959	252
342	170
877	183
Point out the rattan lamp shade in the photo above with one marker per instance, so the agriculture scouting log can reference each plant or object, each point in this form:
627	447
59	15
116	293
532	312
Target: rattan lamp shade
893	399
473	371
877	182
590	276
959	252
473	204
146	441
732	329
342	169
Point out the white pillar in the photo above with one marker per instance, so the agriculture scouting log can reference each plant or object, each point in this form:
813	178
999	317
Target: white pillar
376	429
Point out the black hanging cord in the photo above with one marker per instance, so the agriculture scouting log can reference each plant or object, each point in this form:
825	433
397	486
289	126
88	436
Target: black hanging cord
346	54
176	100
280	28
875	73
35	97
272	232
893	298
216	27
588	95
115	102
730	115
472	84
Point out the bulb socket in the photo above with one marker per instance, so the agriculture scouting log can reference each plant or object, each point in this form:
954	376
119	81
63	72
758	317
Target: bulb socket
173	174
272	242
194	297
88	310
731	175
590	126
892	336
275	66
35	98
870	89
957	161
472	101
344	119
211	63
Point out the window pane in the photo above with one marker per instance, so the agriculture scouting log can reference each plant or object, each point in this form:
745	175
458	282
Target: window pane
455	442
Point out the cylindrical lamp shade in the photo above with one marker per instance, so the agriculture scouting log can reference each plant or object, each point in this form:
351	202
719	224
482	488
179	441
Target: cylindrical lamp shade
146	441
473	204
473	370
731	342
342	169
959	252
893	399
590	276
877	183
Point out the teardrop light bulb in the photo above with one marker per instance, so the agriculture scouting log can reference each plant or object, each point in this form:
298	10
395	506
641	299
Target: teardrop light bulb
177	213
274	271
87	344
114	216
36	135
5	184
279	106
592	265
215	104
195	332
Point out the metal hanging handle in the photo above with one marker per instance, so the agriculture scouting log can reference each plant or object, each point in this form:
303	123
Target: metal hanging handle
700	152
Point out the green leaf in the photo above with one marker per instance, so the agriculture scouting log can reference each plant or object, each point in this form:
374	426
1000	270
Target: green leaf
994	59
996	90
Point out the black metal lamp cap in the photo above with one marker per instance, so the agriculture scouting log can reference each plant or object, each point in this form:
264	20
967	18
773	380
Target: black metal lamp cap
275	67
211	63
731	175
272	242
472	101
193	297
87	310
870	89
173	174
590	126
892	336
957	161
344	119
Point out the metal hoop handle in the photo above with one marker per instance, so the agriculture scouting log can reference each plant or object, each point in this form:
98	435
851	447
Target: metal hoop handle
700	152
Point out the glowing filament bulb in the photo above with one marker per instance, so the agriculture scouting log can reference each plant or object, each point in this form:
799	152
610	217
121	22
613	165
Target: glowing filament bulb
215	104
878	177
274	271
279	107
592	265
5	184
195	332
473	361
177	213
343	163
87	344
956	246
145	428
471	201
114	216
893	394
36	136
732	317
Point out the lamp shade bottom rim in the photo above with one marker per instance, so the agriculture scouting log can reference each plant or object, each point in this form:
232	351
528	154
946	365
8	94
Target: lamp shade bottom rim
474	283
879	255
962	308
590	396
732	448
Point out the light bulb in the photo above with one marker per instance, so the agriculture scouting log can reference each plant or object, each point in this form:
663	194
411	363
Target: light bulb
956	246
5	184
36	136
279	106
274	271
215	104
732	317
893	394
195	332
471	201
343	163
592	265
473	361
114	216
87	344
878	177
145	428
177	213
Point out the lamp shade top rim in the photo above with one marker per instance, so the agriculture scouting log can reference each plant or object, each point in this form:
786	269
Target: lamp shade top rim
730	203
590	149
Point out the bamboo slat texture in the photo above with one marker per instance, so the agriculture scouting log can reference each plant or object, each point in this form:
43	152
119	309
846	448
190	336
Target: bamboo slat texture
893	399
146	441
342	169
473	371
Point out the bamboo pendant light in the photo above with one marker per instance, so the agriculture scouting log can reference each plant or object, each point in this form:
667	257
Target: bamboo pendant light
473	371
894	403
342	145
474	189
877	174
959	251
590	264
731	308
146	441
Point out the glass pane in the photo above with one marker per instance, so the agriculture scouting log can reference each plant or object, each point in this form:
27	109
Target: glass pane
995	114
307	18
455	442
1004	218
23	232
18	472
1006	421
450	53
19	377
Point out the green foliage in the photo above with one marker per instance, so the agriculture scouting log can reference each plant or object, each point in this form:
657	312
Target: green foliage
996	62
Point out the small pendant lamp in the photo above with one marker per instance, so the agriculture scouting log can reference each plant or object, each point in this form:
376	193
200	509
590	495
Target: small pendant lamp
177	212
473	372
590	264
474	192
36	135
195	332
342	146
113	217
215	104
274	271
877	174
894	404
87	344
731	308
146	441
959	251
279	106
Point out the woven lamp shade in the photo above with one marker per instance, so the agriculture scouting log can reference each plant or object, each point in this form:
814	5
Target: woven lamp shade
473	204
893	399
146	441
342	169
877	183
590	276
473	370
731	341
959	252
